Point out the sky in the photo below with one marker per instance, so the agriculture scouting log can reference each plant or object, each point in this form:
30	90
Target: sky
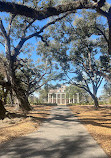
108	1
34	57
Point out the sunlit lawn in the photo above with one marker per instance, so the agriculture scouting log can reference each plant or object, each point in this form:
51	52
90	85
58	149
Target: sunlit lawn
20	124
98	123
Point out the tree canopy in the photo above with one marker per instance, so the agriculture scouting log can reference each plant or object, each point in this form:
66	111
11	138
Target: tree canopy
40	12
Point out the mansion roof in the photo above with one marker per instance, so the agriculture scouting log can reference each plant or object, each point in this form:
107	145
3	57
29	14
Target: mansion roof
59	90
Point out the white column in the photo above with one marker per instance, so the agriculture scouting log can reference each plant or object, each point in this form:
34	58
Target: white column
56	98
77	97
65	99
69	98
52	98
48	97
60	98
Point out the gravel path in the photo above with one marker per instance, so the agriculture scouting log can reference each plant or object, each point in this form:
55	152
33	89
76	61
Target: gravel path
60	136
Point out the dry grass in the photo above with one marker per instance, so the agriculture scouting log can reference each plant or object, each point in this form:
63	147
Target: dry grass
98	123
21	124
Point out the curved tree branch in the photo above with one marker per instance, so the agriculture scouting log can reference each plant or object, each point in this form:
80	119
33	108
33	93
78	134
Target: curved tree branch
36	34
10	23
103	33
23	10
4	33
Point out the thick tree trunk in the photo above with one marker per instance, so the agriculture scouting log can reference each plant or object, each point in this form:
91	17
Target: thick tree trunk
20	93
5	96
17	88
11	97
96	103
2	110
23	99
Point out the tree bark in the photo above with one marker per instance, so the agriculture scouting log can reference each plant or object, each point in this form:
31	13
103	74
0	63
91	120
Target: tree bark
17	88
2	110
21	96
5	96
23	10
109	23
95	99
96	103
11	97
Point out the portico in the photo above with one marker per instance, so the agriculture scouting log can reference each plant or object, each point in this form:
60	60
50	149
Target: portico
59	97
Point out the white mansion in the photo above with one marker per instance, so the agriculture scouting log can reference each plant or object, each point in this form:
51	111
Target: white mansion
58	96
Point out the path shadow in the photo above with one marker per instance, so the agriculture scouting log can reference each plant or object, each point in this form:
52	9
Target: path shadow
44	148
95	123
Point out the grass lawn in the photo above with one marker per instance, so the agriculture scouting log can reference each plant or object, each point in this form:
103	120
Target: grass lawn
98	123
20	124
